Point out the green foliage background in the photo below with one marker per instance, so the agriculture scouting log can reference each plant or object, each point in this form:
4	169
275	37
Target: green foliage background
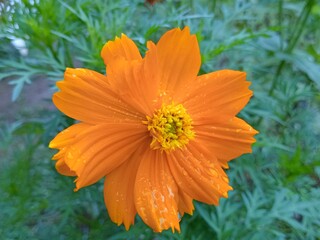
276	189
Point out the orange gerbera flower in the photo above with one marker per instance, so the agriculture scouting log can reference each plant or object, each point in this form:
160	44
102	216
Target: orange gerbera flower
160	134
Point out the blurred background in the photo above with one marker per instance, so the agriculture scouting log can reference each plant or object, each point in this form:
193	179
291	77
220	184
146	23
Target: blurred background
277	42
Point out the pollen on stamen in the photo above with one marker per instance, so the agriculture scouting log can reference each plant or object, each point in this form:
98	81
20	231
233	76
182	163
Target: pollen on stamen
170	127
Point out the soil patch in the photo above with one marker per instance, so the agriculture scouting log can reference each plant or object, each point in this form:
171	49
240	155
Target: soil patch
35	98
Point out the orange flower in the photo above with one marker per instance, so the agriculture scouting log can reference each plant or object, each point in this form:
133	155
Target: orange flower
160	134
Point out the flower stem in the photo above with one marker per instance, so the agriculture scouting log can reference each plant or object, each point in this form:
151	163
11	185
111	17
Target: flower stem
302	20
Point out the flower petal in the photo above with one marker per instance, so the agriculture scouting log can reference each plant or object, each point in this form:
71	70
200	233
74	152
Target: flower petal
226	140
179	60
62	142
101	148
119	188
185	204
156	193
198	177
136	82
217	96
64	169
65	137
123	48
86	96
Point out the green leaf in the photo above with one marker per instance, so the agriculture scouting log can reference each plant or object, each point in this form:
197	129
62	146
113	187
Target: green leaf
31	127
305	63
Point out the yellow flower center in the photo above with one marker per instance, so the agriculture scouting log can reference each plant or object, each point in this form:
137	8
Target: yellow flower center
170	127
